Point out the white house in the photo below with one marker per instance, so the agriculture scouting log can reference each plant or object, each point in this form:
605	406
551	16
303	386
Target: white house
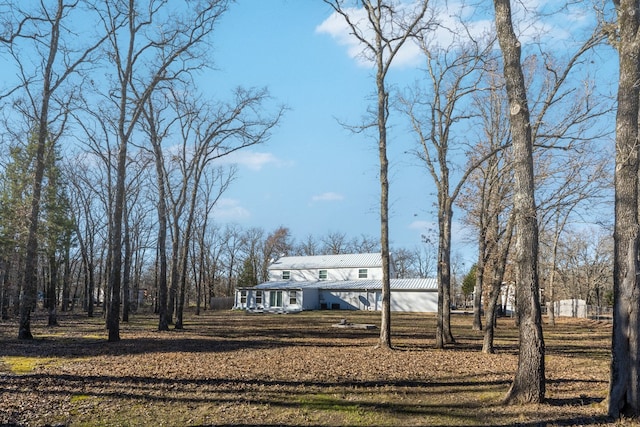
335	282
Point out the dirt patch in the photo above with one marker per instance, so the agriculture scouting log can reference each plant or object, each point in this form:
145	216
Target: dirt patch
229	368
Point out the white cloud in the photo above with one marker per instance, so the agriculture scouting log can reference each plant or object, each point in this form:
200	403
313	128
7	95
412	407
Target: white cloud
327	197
336	27
422	225
540	20
230	210
254	160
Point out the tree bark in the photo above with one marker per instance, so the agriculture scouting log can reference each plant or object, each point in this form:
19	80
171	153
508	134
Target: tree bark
499	267
51	291
529	383
126	270
477	296
443	324
30	287
385	325
624	383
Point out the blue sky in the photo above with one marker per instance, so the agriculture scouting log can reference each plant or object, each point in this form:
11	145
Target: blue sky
314	176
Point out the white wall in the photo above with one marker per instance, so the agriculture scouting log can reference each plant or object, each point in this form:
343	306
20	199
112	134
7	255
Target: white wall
414	301
349	300
401	301
570	308
332	274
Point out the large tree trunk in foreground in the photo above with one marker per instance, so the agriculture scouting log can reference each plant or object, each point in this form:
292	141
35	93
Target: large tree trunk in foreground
529	383
624	385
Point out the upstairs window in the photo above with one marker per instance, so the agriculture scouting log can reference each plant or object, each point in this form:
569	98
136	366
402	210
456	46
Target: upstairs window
363	273
286	275
322	274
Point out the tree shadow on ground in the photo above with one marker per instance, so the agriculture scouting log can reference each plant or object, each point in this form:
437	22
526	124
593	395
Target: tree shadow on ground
337	396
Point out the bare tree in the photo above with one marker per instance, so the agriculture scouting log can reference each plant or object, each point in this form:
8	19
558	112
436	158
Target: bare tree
487	194
453	74
308	246
148	44
334	243
277	244
45	93
90	221
199	242
529	381
404	261
392	25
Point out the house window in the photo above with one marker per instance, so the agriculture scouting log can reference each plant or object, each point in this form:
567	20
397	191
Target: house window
286	275
259	297
322	274
275	298
243	297
293	297
362	273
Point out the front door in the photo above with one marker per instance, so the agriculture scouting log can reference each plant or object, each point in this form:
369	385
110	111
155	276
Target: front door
275	299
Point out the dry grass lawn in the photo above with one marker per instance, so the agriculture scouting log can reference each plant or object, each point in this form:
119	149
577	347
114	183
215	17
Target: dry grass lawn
232	368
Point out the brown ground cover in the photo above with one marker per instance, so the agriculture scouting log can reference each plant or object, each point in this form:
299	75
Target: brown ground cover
232	368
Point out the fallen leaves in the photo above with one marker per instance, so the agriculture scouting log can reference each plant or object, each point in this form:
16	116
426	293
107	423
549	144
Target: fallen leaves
229	368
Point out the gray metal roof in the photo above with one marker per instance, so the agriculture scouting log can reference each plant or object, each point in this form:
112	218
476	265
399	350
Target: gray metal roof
328	261
430	284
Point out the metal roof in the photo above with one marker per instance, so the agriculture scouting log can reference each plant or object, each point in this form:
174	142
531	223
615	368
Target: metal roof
328	261
430	284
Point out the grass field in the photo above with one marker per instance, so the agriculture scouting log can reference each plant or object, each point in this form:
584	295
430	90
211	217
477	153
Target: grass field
232	368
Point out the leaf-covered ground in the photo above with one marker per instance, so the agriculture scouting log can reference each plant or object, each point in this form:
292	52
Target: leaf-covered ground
232	368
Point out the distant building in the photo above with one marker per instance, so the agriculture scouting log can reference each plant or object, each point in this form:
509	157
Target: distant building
335	282
569	308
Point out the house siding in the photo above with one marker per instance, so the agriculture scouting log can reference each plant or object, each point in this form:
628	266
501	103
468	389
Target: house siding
414	301
333	274
344	287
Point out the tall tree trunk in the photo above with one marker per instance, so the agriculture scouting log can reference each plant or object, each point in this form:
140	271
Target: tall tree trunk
87	263
91	287
115	268
391	29
477	296
175	270
163	292
185	247
385	324
30	286
4	290
490	317
51	291
66	278
624	383
443	328
529	382
126	278
499	267
161	274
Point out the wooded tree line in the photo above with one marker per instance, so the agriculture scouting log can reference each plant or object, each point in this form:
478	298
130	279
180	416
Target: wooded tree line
112	167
